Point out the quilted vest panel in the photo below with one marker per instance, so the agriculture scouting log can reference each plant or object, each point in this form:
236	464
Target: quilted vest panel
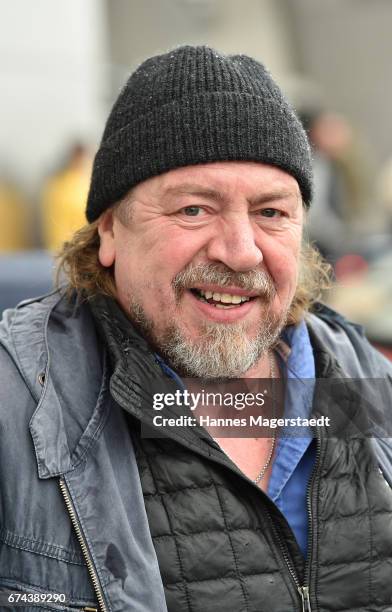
217	549
211	533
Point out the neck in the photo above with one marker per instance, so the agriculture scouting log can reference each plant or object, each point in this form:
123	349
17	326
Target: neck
262	369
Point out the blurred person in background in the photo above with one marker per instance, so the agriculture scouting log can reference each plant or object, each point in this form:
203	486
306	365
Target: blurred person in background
15	230
192	264
342	186
64	198
24	272
384	189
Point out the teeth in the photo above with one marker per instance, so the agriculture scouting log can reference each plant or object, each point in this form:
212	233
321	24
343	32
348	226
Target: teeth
235	299
225	298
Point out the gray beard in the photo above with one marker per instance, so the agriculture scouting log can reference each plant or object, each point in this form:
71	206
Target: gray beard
221	351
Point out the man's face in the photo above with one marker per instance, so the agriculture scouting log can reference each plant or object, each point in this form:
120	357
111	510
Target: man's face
206	262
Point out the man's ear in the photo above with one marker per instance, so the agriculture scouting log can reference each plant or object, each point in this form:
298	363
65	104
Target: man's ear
107	250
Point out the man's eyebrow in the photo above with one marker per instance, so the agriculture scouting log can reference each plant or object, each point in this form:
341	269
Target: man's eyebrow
197	190
272	196
218	196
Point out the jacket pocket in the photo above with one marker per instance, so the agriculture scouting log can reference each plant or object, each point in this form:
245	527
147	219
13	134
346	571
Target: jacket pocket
29	600
44	571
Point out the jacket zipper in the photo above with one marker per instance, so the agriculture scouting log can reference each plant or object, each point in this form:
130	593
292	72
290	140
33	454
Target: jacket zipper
309	506
86	553
303	591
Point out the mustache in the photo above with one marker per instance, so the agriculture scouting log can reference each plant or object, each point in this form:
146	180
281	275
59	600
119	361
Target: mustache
258	281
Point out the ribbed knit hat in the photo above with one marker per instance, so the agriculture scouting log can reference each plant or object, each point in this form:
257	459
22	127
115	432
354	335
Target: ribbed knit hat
194	105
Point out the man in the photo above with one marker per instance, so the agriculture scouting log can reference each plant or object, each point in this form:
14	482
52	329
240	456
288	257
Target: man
192	267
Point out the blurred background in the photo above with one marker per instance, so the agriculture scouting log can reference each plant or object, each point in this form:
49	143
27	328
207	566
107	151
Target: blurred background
63	64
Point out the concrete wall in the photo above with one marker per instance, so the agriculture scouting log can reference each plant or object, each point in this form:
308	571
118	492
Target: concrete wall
51	80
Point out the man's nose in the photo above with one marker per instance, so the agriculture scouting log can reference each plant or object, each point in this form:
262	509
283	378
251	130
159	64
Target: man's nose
234	244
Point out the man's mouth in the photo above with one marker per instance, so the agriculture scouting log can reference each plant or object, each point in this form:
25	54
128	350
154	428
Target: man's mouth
221	300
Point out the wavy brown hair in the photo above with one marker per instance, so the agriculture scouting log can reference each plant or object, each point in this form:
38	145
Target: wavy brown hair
78	262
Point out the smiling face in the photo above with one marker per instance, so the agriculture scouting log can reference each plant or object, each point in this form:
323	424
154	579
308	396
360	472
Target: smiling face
206	262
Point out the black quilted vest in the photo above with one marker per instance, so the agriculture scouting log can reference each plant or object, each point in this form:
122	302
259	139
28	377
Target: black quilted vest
222	544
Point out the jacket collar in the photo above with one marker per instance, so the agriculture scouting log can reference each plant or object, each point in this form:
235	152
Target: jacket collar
138	375
49	339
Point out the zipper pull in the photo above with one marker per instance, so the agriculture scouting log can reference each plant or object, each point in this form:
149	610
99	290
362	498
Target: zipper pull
304	592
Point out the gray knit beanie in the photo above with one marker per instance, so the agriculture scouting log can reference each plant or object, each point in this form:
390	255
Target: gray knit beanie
194	105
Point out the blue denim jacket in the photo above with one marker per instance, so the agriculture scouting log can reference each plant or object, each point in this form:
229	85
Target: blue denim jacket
59	424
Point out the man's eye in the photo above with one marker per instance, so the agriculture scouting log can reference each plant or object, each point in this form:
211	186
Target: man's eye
270	212
191	211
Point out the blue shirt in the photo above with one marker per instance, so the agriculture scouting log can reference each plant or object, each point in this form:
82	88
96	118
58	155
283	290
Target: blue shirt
295	453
